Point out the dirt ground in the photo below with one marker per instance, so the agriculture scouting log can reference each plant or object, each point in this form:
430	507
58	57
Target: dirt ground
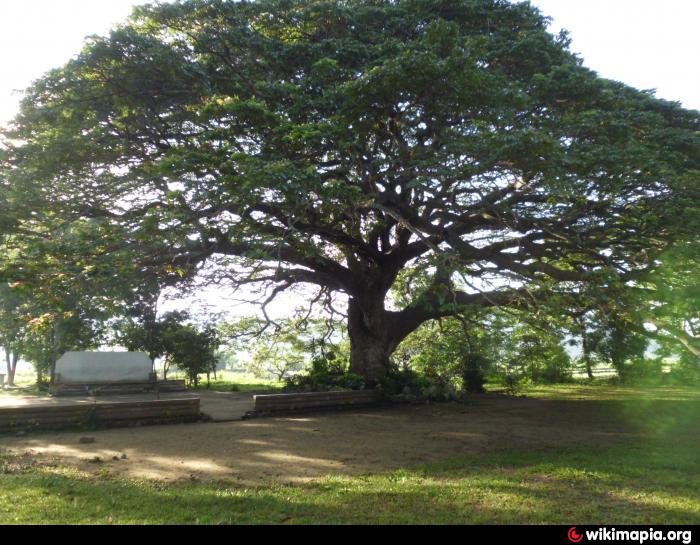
305	447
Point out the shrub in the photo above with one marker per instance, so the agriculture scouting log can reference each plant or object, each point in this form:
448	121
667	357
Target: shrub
686	371
513	384
555	370
402	380
514	376
474	369
325	375
403	384
648	371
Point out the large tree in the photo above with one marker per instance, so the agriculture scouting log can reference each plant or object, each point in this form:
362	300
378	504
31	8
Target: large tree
340	143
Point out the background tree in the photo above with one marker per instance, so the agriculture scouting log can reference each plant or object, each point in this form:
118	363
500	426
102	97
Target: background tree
276	361
337	144
64	295
672	303
287	349
140	329
13	328
167	337
623	346
587	326
279	356
457	351
191	349
148	333
540	355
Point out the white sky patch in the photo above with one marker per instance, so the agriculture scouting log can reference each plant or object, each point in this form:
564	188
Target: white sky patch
38	35
647	44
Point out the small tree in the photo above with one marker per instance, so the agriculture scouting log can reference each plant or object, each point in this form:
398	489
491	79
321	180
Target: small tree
529	347
191	349
277	361
148	335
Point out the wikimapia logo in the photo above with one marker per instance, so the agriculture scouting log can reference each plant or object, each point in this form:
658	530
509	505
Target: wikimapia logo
574	536
637	536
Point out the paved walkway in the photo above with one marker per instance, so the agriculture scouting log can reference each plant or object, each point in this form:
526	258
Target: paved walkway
225	406
219	406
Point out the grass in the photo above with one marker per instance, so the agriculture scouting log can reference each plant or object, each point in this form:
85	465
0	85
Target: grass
651	477
599	390
25	384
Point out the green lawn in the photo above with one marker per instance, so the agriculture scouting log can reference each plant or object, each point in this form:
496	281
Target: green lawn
600	390
652	477
25	384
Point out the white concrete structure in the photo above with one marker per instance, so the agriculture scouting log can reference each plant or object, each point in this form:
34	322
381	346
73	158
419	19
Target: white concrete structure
97	367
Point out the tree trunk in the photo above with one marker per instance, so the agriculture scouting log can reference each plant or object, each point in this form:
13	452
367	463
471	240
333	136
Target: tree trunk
7	360
55	341
587	354
11	360
12	369
372	340
52	368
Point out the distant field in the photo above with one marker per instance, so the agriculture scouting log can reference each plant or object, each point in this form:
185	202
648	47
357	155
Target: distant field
23	377
603	391
230	380
25	383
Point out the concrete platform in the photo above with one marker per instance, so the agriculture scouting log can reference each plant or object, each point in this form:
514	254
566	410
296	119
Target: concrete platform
218	406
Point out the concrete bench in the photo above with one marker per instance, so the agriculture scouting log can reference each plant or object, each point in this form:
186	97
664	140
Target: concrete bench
272	403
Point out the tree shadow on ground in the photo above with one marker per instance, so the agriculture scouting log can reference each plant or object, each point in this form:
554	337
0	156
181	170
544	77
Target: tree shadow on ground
570	487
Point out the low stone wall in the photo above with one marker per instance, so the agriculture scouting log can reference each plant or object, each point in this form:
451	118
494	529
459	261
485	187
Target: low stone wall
116	388
52	417
271	403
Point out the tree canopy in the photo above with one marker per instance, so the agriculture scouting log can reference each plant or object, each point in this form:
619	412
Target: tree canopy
453	146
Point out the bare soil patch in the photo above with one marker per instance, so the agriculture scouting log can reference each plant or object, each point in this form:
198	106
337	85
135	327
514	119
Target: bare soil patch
310	446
